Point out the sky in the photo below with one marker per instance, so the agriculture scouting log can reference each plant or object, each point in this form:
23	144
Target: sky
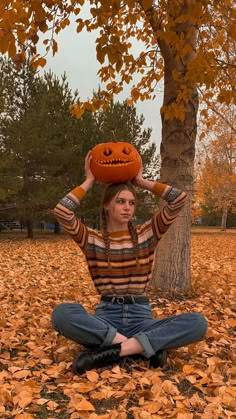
76	57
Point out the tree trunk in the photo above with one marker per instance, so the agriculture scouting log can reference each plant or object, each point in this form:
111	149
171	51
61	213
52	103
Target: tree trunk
57	227
172	267
172	263
224	218
30	232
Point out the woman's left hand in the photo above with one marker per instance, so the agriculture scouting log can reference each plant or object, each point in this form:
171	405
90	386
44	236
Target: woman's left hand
88	172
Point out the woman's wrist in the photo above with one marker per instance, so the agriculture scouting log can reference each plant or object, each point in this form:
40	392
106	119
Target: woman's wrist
87	184
145	184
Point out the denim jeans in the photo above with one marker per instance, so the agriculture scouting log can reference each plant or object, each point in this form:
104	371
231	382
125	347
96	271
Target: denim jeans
131	320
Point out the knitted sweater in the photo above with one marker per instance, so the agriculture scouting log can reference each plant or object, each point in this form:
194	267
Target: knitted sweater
124	276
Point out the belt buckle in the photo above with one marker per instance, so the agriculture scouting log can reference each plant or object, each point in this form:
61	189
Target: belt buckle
120	300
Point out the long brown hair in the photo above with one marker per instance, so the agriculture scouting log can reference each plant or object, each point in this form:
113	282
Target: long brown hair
109	193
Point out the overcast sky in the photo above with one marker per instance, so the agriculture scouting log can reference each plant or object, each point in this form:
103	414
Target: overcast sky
77	57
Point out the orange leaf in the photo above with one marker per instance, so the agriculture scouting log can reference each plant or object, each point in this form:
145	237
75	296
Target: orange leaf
85	387
153	407
188	369
42	401
231	322
92	376
84	405
52	405
170	388
25	401
22	374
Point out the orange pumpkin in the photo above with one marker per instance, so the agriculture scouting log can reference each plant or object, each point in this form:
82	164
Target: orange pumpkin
115	162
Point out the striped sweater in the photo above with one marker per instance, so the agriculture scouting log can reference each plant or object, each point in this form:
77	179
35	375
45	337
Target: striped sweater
125	276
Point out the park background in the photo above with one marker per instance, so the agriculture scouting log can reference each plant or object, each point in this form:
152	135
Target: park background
187	55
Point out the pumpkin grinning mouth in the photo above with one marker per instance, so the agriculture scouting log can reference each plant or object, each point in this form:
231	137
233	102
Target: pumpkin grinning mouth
113	162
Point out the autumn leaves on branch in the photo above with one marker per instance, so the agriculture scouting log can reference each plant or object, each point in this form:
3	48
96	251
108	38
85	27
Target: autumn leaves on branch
179	40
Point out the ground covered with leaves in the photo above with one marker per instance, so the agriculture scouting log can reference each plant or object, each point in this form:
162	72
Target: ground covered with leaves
35	363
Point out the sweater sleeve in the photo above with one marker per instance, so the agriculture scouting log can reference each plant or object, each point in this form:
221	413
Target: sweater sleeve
64	213
175	201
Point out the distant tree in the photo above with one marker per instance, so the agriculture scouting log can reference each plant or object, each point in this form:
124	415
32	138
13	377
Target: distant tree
44	145
41	140
17	87
216	180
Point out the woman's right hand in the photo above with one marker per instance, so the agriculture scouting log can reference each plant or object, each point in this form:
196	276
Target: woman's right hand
138	180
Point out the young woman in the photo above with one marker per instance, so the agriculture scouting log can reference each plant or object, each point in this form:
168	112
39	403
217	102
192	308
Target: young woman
120	259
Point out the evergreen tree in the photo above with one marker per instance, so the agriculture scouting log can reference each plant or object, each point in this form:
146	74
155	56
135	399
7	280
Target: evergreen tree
44	146
41	139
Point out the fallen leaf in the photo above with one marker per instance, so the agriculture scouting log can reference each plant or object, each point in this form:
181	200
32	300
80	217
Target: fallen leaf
92	376
84	405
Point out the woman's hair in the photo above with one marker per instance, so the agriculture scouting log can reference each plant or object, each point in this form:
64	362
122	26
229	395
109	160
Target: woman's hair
109	193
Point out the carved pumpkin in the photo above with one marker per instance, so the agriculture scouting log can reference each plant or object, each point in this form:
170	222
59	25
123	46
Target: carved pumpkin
115	162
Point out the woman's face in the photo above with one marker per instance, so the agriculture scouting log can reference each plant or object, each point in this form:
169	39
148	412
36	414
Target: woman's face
121	209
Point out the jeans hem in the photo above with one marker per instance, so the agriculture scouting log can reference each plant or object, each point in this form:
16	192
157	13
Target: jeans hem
109	337
148	349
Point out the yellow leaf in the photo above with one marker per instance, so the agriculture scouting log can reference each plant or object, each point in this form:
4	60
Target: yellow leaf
38	62
46	361
54	47
64	23
231	322
170	388
85	387
52	405
92	376
42	401
130	385
22	374
153	407
84	405
188	369
146	4
12	49
25	401
76	111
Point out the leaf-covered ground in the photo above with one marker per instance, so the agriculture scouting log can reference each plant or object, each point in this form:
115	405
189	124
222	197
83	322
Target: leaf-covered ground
35	364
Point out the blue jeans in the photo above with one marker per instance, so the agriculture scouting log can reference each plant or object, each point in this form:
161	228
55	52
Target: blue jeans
131	320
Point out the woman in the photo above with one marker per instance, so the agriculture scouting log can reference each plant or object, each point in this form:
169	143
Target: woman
120	259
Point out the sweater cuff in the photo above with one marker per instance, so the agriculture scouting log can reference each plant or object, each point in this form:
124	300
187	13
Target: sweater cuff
78	192
160	189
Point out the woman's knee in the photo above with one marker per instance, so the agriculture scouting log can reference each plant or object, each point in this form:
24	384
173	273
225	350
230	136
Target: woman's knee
200	324
62	314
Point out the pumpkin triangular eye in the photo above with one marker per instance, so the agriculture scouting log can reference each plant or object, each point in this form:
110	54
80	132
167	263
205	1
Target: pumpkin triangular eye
107	151
126	150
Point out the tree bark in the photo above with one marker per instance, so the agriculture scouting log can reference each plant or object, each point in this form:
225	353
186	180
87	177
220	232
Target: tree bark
224	218
57	227
30	232
172	263
172	271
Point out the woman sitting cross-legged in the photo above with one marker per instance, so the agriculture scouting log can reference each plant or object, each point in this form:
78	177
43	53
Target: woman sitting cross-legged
120	260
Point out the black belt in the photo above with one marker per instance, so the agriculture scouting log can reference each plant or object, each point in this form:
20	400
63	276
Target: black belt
126	299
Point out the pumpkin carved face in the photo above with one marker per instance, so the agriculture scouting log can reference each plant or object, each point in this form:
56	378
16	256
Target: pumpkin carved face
115	162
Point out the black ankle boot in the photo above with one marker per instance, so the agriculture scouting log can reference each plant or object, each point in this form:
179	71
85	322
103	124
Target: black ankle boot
159	359
85	361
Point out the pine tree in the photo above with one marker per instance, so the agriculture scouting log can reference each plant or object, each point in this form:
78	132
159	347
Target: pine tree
42	141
